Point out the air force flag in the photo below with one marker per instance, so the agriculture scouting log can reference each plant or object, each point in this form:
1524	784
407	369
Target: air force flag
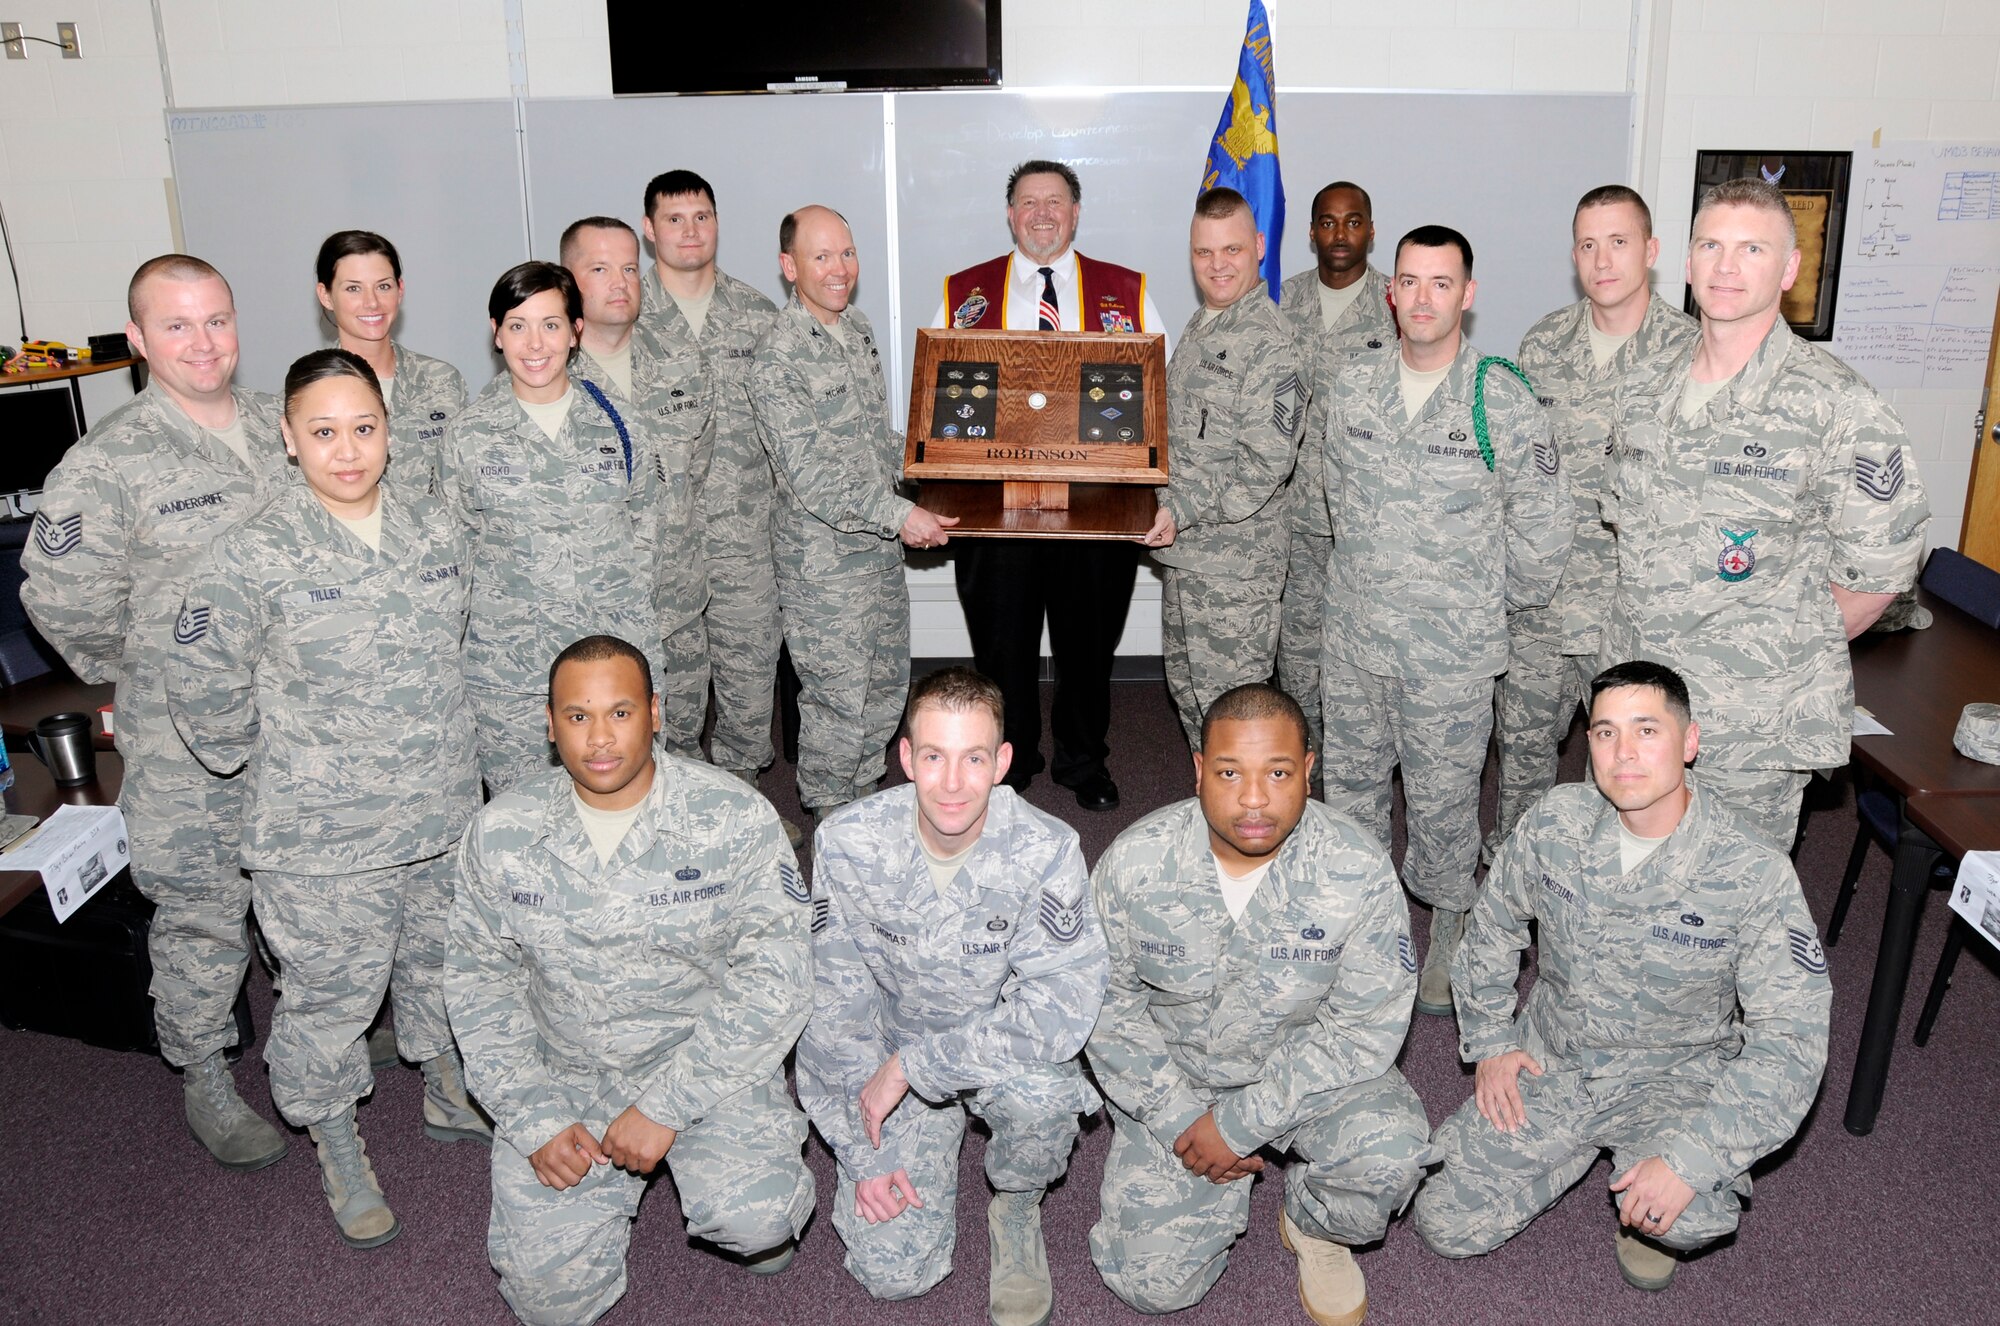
1244	152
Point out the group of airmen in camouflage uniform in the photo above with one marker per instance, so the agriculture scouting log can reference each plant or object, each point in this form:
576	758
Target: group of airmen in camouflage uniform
321	652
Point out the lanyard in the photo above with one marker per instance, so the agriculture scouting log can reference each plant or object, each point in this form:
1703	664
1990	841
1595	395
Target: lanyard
625	438
1479	401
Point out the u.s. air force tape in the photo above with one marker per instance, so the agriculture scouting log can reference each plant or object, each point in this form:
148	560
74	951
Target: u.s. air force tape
1978	735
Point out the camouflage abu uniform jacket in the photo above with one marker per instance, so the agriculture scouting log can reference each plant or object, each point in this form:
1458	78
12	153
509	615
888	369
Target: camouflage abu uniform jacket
124	521
1366	325
1641	975
333	671
428	392
1310	992
1236	401
667	418
822	410
1430	547
673	979
563	543
1730	529
1004	972
1579	396
734	485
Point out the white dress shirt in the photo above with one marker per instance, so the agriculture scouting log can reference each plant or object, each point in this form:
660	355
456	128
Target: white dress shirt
1024	297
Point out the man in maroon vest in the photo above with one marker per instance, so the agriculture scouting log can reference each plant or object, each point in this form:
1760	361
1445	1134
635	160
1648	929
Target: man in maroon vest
1006	585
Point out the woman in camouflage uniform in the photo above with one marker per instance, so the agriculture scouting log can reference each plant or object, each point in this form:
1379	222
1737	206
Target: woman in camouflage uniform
361	289
319	647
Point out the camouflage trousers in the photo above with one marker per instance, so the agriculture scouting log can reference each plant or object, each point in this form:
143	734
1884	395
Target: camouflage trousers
743	641
1302	626
1217	632
1533	703
683	664
1767	801
513	732
184	825
1165	1234
340	940
1033	1116
1493	1183
850	642
1437	730
743	1185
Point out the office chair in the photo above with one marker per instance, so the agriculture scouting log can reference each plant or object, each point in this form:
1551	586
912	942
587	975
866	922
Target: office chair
1954	941
22	656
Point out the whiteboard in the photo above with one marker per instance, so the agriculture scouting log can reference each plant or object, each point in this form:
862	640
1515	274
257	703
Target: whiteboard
467	189
1504	169
1920	264
451	183
764	156
260	188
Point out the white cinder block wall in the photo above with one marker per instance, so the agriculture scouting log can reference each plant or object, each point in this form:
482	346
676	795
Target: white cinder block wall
88	202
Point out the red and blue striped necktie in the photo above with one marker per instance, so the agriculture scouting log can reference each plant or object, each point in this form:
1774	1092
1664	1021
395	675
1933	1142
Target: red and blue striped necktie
1050	320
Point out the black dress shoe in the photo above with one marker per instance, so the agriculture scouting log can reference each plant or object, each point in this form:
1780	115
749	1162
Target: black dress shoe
1096	792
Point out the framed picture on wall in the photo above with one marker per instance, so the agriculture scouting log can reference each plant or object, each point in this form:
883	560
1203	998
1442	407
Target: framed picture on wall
1815	184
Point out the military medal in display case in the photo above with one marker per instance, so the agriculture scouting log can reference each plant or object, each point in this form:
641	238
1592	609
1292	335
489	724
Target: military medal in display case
1034	434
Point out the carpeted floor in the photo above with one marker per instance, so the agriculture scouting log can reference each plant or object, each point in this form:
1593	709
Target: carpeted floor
111	1213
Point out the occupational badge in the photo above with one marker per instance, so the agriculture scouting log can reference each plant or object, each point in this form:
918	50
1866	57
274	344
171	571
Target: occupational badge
1738	558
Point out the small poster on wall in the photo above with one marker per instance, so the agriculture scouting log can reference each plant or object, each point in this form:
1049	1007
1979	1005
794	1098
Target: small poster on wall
1815	184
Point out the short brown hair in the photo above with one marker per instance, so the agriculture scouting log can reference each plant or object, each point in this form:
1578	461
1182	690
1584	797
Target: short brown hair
788	229
1744	191
1038	166
169	267
956	690
1610	195
566	247
1219	202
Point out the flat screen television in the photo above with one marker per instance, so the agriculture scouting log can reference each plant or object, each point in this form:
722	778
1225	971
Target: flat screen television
759	45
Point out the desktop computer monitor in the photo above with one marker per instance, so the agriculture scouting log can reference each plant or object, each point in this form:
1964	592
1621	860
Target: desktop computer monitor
39	424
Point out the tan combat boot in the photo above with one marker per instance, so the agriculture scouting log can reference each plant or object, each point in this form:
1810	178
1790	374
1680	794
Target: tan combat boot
382	1052
1332	1289
1643	1263
234	1134
1018	1291
793	834
449	1114
772	1261
1434	982
348	1181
